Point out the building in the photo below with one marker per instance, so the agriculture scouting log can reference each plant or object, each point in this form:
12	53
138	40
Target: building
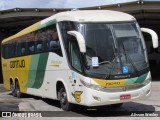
145	11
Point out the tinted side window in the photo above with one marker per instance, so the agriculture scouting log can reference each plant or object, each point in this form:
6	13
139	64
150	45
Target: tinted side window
18	49
31	47
23	48
11	49
44	40
4	51
64	27
75	56
53	40
47	40
7	51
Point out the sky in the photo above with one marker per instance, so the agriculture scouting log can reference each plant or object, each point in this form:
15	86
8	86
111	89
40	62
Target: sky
9	4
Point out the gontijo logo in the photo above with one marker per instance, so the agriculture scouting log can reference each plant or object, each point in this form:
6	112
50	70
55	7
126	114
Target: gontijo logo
17	64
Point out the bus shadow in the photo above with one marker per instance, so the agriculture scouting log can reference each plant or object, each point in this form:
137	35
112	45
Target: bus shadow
101	111
51	102
127	109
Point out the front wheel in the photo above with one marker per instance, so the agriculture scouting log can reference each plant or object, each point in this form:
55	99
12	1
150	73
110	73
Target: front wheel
64	101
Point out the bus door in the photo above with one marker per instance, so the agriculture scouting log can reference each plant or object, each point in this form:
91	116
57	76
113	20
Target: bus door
76	70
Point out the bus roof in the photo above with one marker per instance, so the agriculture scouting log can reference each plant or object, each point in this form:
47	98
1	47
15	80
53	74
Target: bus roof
94	16
78	16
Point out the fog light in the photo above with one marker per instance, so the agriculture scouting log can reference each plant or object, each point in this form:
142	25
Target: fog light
96	98
148	91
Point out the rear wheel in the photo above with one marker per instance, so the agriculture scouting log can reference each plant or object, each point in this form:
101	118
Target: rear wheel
63	100
12	88
17	90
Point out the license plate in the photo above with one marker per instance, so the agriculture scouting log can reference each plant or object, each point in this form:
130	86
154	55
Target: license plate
124	97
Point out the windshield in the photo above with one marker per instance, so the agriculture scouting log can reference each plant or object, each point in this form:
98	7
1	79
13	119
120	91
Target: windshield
113	49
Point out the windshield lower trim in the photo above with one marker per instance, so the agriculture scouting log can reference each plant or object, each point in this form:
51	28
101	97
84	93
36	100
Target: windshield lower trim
118	76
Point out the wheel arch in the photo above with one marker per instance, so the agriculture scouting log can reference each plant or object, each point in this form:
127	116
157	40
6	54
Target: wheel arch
11	81
16	80
59	84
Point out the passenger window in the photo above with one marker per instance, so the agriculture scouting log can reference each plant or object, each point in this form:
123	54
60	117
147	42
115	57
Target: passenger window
39	47
23	49
45	46
31	47
10	49
54	45
53	40
75	56
3	51
13	50
40	41
18	49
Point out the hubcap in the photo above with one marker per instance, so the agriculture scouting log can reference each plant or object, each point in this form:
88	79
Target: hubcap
12	87
63	98
17	90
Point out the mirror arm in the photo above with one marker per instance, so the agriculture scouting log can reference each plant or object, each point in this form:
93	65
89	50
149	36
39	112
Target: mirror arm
153	35
80	40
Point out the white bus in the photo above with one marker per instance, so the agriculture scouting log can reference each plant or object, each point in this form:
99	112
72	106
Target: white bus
88	57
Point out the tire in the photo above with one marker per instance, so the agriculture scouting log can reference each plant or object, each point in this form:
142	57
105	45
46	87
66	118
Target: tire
65	105
12	88
118	105
17	90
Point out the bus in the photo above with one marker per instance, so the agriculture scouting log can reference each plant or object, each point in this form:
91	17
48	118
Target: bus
84	57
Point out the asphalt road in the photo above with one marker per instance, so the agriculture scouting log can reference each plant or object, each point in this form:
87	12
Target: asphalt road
52	107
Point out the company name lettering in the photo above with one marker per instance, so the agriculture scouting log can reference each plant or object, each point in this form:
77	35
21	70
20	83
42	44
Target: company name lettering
17	64
122	76
112	83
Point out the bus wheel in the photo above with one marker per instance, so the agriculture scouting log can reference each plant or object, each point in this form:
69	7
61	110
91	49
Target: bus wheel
12	88
17	90
118	105
63	100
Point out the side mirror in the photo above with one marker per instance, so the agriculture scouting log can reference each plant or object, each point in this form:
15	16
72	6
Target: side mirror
80	40
153	35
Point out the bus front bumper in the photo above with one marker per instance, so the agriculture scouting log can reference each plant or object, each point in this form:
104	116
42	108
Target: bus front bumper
97	98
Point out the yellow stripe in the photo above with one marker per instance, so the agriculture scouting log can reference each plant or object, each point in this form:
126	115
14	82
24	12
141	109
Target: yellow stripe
20	73
55	65
110	83
23	32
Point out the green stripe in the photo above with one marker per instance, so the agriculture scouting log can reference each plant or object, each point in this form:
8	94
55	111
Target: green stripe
32	70
141	78
40	70
136	80
131	81
51	22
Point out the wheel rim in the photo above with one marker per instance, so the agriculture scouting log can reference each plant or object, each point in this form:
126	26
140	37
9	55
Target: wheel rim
17	90
63	98
12	87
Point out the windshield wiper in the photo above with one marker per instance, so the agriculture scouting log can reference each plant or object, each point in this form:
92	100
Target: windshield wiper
105	62
126	55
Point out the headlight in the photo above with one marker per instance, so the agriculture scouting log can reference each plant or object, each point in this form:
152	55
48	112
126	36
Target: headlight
148	80
92	86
